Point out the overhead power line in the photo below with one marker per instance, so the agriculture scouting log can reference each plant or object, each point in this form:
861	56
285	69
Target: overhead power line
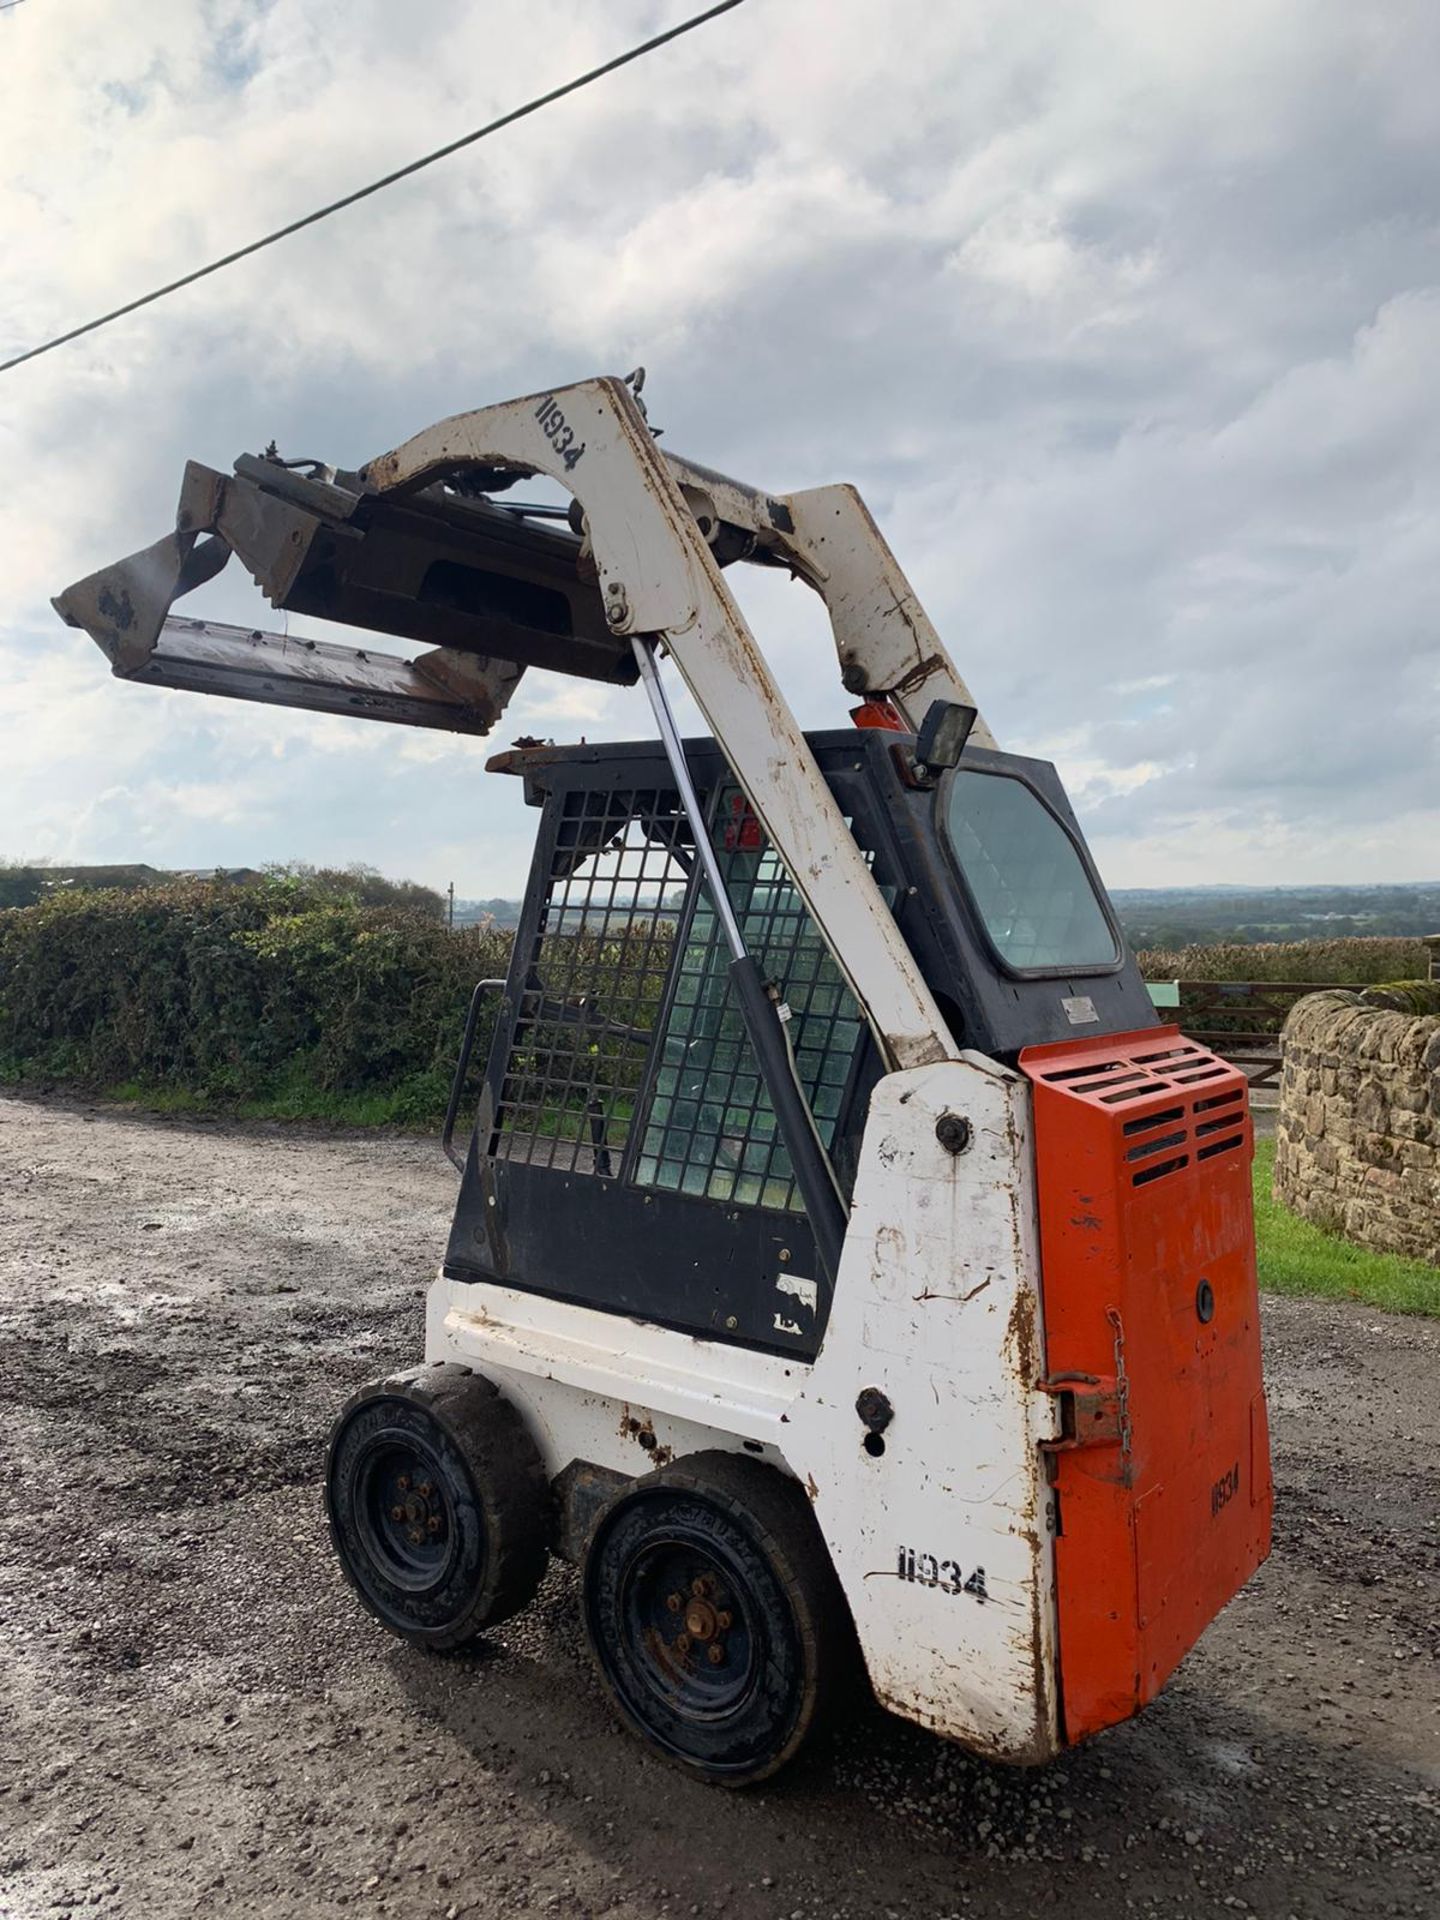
377	186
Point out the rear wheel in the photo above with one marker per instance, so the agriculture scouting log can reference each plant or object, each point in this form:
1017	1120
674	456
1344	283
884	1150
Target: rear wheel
714	1616
437	1503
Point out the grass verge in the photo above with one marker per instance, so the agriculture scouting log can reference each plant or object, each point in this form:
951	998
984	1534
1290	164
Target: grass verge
1298	1258
417	1102
394	1108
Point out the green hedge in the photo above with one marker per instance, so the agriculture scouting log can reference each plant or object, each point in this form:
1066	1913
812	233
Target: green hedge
286	996
263	993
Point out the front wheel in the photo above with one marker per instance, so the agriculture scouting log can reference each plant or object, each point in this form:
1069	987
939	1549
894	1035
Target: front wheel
714	1617
437	1503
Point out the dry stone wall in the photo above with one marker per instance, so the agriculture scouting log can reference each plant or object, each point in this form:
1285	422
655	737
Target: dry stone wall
1358	1141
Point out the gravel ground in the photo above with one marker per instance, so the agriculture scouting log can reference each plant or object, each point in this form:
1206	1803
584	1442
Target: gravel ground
196	1718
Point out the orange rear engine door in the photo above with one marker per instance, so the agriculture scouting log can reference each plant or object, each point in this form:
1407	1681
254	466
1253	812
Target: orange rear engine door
1143	1150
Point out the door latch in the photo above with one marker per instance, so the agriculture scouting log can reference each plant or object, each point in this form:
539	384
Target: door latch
1091	1414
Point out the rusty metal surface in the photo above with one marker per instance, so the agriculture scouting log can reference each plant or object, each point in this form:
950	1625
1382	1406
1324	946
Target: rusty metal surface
640	1428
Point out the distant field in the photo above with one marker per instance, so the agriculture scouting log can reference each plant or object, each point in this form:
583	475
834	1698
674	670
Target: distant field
1166	920
1169	919
1347	962
1180	917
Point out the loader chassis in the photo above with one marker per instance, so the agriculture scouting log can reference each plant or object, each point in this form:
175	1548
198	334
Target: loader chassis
846	1263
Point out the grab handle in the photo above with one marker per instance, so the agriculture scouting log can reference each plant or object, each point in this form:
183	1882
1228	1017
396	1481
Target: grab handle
462	1067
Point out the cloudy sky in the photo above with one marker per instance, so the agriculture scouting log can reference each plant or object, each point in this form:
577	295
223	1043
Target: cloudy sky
1124	315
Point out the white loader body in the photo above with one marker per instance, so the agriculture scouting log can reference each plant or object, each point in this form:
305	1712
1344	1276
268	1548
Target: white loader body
942	1541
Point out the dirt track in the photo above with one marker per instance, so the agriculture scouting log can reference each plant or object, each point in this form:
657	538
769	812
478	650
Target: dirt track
196	1718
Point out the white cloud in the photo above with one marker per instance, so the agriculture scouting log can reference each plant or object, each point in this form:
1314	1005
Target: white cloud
1124	317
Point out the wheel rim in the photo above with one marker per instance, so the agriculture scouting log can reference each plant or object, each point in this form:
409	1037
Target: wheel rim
402	1511
691	1636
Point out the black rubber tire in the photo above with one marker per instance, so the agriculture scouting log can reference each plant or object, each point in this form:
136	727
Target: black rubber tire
472	1546
787	1649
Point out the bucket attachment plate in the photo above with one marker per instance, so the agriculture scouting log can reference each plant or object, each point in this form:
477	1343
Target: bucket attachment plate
440	689
492	589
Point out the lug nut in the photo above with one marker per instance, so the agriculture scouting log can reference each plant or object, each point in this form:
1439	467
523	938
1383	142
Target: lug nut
416	1536
397	1513
433	1523
674	1601
682	1643
722	1620
715	1653
403	1483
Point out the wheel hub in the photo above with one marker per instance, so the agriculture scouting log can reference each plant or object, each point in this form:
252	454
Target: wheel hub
702	1622
418	1510
405	1512
697	1648
702	1619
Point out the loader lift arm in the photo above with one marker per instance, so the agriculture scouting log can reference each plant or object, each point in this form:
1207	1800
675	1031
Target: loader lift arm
399	547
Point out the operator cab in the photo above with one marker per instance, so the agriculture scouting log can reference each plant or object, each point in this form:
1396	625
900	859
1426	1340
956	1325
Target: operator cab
626	1154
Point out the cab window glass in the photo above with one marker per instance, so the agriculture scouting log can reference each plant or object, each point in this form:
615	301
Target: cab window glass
1025	876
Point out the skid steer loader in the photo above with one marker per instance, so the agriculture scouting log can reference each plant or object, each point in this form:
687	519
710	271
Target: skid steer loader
848	1271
